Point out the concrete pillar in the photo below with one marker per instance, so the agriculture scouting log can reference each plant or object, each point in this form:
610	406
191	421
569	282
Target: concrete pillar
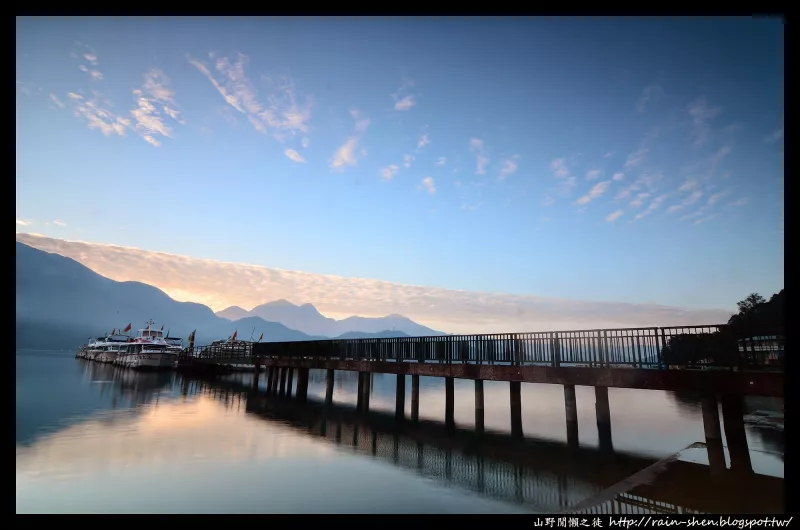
360	391
367	391
284	375
289	382
276	372
400	399
415	397
571	407
603	413
302	385
269	379
479	405
329	379
449	402
733	420
516	408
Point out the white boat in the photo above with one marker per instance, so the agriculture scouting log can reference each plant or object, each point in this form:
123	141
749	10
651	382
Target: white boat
150	350
114	345
94	347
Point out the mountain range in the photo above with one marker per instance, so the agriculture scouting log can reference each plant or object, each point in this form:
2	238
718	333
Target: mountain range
60	303
307	319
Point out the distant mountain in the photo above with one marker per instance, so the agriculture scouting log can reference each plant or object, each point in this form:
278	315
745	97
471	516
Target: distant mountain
60	303
307	319
381	335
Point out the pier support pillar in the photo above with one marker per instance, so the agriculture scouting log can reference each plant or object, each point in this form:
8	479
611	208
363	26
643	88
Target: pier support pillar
449	402
733	420
415	397
603	413
713	432
302	385
516	408
571	408
367	391
479	405
329	388
400	399
270	380
360	391
289	381
284	374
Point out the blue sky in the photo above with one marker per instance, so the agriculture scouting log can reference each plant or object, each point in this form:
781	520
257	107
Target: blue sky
625	160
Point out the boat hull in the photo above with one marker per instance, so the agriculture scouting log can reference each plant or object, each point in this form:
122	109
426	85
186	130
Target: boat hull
107	357
152	361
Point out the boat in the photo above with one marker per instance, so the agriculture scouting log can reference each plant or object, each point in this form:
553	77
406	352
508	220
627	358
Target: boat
94	347
115	344
149	350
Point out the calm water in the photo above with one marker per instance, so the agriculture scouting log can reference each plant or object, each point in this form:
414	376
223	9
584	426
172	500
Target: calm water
94	438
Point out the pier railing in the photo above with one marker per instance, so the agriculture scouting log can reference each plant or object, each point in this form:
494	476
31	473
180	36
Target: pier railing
712	346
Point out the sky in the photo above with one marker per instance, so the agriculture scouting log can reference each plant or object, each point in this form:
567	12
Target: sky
583	163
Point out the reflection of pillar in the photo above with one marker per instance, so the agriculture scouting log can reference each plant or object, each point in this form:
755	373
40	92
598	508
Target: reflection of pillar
603	413
367	385
374	442
518	484
284	375
395	448
329	388
275	375
733	420
400	400
338	435
571	406
420	455
481	475
448	465
716	454
355	436
415	397
323	427
302	385
479	405
289	382
360	391
449	402
269	379
516	409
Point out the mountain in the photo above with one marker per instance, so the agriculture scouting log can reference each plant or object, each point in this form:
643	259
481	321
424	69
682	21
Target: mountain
60	303
388	334
307	319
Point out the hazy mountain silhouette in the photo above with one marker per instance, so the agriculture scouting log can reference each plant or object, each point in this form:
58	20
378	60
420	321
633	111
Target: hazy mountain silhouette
60	303
307	319
361	335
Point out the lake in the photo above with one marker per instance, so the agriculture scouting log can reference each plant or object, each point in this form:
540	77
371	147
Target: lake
94	438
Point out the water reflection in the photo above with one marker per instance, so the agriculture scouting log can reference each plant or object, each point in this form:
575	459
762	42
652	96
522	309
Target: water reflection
169	442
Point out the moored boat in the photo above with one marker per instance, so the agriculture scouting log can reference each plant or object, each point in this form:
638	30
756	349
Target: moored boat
150	350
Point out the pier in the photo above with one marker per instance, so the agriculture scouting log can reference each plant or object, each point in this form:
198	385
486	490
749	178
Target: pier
546	476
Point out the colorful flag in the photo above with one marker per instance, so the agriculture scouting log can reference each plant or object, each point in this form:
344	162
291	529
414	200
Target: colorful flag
162	327
234	335
127	328
261	337
113	330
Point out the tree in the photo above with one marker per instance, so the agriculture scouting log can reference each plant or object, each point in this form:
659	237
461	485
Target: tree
751	303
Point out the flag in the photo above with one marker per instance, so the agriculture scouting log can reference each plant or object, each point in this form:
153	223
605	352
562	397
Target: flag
162	327
127	328
234	335
148	326
261	337
113	330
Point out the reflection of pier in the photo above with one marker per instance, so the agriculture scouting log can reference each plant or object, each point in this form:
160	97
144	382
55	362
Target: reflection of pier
545	476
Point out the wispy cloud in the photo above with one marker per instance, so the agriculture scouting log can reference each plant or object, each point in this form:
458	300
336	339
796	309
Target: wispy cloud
57	101
389	172
609	154
593	174
429	185
24	222
154	98
639	200
294	155
650	94
278	114
655	204
566	181
405	103
481	161
610	218
407	159
717	157
636	158
739	202
509	167
689	200
423	141
774	137
441	161
597	190
346	154
221	285
715	198
58	222
702	115
305	142
618	176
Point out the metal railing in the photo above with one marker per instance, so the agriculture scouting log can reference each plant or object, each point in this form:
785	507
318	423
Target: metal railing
653	347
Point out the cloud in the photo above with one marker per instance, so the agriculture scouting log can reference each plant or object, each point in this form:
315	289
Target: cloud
717	157
636	158
73	95
688	185
92	58
618	176
58	222
739	202
429	185
639	200
509	167
57	101
608	155
389	172
278	114
701	115
688	201
147	118
441	161
24	222
476	146
654	205
674	208
597	190
346	154
714	199
305	142
405	104
593	174
650	94
774	137
423	141
614	216
294	155
220	285
559	167
407	159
